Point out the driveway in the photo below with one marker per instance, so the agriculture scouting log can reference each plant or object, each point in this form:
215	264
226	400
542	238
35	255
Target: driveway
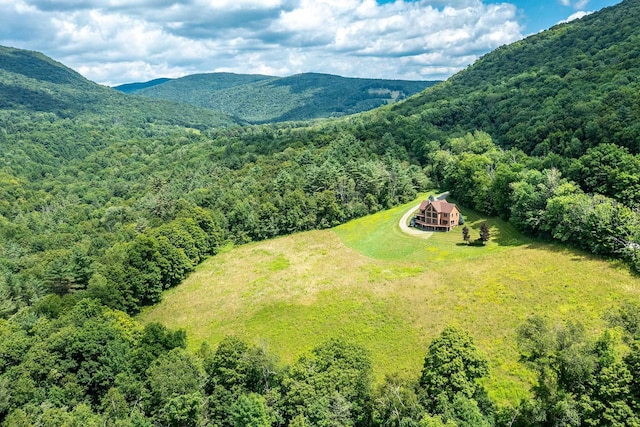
414	231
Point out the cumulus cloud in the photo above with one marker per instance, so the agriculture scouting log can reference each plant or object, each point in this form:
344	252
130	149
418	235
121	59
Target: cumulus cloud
117	41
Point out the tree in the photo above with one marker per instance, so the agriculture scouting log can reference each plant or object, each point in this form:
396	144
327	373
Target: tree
183	410
453	366
155	340
580	381
396	403
250	410
465	234
236	370
175	381
332	386
470	181
484	233
609	170
436	421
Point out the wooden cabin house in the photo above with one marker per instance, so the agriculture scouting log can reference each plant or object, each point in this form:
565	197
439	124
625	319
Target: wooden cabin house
437	215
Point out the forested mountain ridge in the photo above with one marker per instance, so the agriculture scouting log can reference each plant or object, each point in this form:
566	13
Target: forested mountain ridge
191	85
30	82
135	87
563	90
262	99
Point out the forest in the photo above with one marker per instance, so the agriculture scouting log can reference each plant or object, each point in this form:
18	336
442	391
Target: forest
106	204
255	98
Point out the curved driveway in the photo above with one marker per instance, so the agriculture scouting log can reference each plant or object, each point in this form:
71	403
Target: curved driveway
414	231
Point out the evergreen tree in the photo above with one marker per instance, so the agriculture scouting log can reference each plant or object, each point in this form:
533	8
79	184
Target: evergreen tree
465	234
484	233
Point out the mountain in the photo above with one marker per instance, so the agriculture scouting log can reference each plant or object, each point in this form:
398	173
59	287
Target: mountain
262	99
134	87
193	84
31	82
563	91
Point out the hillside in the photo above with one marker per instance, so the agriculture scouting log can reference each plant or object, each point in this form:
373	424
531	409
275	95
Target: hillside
177	89
262	99
135	87
33	83
562	91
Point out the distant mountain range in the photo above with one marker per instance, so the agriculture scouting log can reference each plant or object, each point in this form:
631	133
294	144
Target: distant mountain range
261	99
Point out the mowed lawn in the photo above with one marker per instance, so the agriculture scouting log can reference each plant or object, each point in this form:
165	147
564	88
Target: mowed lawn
370	284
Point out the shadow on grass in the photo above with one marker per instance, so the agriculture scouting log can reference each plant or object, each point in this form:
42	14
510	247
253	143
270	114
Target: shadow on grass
505	234
472	244
577	254
502	233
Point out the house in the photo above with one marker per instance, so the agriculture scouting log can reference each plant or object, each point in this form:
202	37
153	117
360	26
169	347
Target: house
437	215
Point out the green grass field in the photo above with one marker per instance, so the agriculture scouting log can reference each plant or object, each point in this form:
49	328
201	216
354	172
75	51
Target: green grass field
369	283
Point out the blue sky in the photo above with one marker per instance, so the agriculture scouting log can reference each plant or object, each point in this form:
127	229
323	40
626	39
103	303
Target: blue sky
120	41
538	15
542	14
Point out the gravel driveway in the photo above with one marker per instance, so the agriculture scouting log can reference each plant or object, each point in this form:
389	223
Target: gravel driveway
404	227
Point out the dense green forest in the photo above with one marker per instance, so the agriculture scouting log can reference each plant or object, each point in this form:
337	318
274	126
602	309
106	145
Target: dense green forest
30	82
257	98
106	200
135	87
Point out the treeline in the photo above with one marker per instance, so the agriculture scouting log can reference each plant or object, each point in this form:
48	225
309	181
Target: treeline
533	195
122	213
69	362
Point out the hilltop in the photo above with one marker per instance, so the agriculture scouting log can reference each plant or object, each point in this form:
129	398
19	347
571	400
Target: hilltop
135	87
262	99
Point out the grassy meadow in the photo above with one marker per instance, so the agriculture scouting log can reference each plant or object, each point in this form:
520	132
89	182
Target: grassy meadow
392	293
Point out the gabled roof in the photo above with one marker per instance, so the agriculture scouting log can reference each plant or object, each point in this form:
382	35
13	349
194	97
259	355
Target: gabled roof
439	205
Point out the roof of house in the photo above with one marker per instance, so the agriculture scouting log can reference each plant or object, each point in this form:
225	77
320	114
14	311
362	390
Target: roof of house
439	205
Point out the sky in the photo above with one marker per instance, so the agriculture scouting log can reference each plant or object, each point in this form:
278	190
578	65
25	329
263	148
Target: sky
121	41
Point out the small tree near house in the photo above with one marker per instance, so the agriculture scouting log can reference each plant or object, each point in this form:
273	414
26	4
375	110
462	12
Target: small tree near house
465	234
484	233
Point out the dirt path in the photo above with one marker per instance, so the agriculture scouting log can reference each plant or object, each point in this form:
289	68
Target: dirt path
414	231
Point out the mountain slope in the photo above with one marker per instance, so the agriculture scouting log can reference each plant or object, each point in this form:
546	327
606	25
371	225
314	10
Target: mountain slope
563	90
135	87
261	99
31	82
194	85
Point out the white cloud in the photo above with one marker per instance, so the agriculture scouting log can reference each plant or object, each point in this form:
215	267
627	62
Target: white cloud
119	41
579	4
577	15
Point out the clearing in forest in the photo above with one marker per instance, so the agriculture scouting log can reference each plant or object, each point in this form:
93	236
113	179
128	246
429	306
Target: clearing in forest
392	293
